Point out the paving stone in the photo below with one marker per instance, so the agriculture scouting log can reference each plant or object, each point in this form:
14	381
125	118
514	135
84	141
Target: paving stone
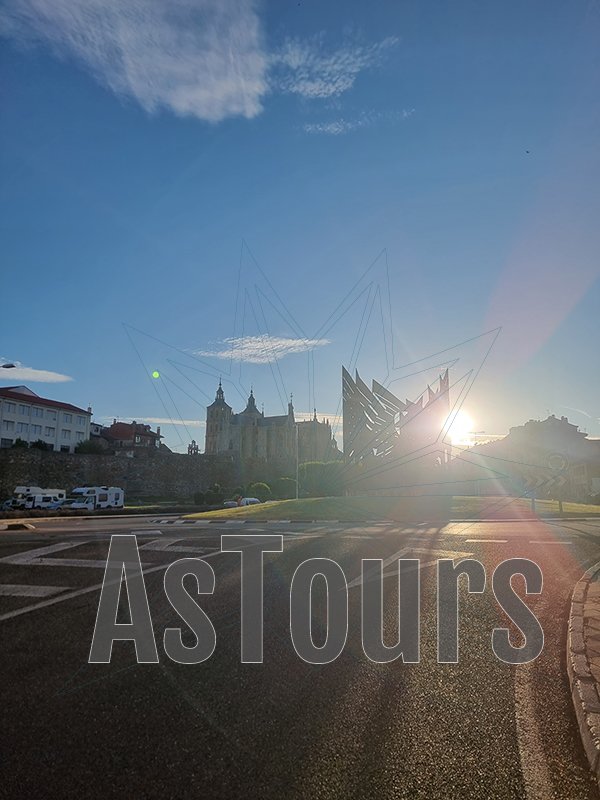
588	696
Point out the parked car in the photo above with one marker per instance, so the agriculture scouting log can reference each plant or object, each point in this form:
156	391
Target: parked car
249	501
230	504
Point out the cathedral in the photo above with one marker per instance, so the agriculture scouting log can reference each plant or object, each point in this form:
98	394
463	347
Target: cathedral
249	434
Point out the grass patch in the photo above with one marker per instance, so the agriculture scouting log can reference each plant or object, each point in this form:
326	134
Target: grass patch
364	509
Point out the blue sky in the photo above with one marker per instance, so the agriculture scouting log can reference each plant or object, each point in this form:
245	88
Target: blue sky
220	175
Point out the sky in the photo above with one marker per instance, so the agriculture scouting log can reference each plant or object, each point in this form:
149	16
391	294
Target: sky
263	192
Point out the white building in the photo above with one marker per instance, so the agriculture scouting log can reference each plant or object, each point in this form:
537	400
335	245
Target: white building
25	415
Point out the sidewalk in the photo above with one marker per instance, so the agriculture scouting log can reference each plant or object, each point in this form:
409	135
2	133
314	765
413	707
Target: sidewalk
583	662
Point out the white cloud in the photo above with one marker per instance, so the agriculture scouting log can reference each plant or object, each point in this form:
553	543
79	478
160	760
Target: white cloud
203	58
21	373
340	126
308	69
194	57
261	349
337	127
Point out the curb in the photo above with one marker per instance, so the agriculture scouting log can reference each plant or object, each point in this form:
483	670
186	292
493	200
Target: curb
583	686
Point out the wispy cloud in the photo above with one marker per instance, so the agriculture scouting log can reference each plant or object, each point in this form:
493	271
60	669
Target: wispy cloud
261	349
341	125
22	373
310	69
204	58
199	57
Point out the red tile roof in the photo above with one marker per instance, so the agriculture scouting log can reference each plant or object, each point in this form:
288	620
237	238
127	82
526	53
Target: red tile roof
125	431
11	393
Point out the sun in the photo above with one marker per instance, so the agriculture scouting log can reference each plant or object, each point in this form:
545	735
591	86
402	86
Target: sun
461	429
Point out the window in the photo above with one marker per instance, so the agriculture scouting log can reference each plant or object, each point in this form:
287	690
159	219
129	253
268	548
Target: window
81	421
64	449
37	412
36	430
6	442
10	408
48	431
66	434
79	436
24	411
22	427
51	414
67	417
8	425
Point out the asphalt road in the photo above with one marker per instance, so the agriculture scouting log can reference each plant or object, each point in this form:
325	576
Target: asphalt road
223	729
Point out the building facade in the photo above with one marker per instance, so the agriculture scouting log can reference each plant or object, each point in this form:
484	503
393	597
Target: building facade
250	434
27	416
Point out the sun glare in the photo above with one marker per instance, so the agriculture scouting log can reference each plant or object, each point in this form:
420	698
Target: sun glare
461	429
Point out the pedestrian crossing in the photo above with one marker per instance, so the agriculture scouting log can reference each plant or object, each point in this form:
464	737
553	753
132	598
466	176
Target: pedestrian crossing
201	540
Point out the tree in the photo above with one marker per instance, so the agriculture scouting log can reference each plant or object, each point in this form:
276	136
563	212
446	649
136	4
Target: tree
40	444
322	478
20	444
214	496
89	446
260	490
284	488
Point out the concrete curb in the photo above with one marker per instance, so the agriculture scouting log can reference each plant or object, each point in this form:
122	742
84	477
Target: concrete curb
584	686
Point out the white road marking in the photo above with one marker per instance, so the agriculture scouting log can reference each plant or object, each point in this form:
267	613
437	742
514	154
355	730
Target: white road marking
22	590
548	541
408	552
490	541
37	557
146	533
171	546
79	592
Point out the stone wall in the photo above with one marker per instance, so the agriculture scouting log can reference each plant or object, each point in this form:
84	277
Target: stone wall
168	475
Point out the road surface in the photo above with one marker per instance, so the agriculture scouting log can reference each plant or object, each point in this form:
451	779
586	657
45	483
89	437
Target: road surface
284	728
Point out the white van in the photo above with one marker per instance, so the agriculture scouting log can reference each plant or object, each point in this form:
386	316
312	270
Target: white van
50	501
91	498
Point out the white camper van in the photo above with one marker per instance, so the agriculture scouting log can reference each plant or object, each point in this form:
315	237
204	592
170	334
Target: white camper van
91	498
37	497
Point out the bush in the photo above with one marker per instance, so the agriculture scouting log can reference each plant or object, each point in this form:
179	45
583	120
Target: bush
262	491
89	446
199	498
212	498
40	444
20	444
284	488
321	479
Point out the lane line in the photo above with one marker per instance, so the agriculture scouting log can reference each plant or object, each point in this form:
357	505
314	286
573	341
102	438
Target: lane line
548	541
490	541
23	590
